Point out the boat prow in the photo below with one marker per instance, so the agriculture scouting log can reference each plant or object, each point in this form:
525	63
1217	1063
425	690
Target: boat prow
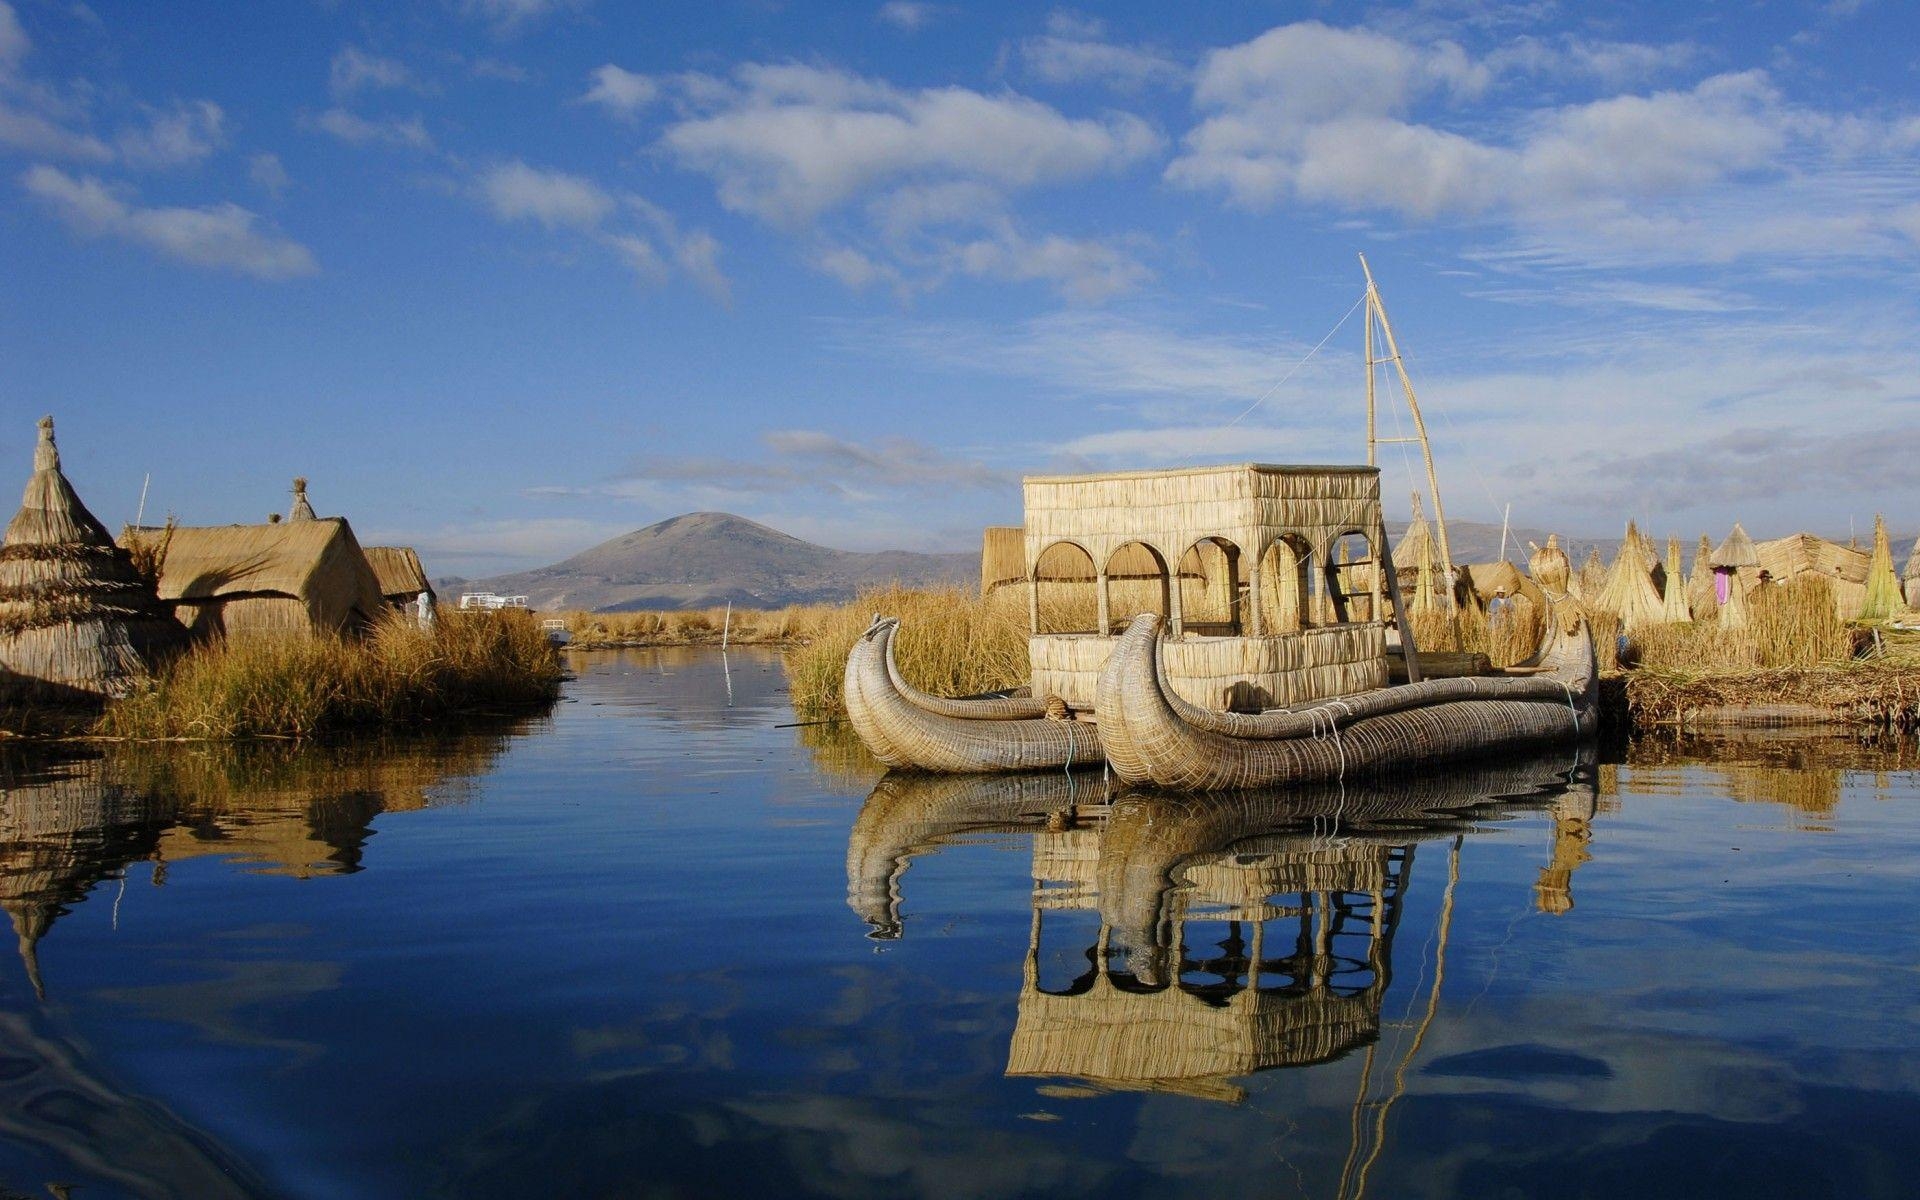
907	728
1154	737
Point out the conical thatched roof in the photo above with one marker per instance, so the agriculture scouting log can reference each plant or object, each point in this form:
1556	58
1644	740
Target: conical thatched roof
1912	570
1736	552
1884	598
1628	589
1642	547
301	510
77	622
1415	559
1591	578
1674	606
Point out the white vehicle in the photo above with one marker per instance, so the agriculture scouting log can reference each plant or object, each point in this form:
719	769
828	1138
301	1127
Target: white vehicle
491	600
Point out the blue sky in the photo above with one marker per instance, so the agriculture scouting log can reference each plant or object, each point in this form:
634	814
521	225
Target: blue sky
507	277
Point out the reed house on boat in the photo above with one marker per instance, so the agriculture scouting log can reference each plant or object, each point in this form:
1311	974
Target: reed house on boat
1264	575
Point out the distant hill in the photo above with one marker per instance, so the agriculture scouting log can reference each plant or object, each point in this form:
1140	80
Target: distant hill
704	559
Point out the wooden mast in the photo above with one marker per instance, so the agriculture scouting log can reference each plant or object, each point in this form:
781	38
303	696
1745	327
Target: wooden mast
1378	311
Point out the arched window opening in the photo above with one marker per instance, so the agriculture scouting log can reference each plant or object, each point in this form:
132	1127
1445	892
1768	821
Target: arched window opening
1353	583
1286	594
1066	599
1136	583
1212	592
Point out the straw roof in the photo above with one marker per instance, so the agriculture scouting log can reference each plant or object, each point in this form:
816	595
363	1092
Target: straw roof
1883	598
1674	607
1628	589
307	574
301	510
398	573
1736	551
77	622
1843	567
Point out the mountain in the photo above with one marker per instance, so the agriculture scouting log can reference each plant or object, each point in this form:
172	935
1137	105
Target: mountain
704	559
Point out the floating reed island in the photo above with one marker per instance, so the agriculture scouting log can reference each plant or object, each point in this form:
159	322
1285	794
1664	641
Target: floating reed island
289	628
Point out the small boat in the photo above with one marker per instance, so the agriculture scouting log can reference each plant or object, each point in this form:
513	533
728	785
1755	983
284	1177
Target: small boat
905	727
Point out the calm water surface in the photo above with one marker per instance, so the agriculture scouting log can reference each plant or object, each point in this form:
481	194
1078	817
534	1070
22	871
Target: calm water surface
655	946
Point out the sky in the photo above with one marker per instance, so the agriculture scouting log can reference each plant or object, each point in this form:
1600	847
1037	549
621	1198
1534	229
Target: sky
505	278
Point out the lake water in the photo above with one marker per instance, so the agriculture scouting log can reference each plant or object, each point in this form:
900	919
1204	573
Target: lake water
655	945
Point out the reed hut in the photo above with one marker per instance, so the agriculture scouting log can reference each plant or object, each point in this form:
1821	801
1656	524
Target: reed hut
1628	590
1674	609
399	575
1843	567
77	622
1732	556
1883	598
302	576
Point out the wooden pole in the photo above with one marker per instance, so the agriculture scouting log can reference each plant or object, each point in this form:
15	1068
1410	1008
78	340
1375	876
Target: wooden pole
1370	364
1419	425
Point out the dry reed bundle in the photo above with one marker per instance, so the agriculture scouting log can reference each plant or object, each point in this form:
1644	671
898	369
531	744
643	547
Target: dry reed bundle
1878	695
1628	590
1673	601
1701	597
1884	597
1592	577
1786	625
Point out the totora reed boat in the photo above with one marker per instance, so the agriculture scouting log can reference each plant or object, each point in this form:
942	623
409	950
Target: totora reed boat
1223	627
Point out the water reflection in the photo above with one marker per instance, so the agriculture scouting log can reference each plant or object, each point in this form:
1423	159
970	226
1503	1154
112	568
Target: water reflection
1228	934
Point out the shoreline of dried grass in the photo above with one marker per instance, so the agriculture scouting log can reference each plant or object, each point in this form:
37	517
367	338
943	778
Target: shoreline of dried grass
298	686
792	625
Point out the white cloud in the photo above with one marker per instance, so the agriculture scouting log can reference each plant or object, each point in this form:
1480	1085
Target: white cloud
222	236
787	143
185	134
355	70
268	174
13	39
516	191
31	133
621	92
1076	50
853	268
508	17
498	69
354	129
909	15
698	254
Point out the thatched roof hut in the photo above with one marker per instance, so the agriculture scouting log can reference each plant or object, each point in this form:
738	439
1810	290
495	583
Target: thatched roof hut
295	576
398	574
1673	594
77	622
1628	589
1884	597
1736	552
1844	568
1731	557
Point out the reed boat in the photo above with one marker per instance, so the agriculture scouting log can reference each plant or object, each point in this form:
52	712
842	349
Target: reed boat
1220	627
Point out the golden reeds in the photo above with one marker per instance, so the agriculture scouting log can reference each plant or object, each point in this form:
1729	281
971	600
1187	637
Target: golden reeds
284	685
1787	625
951	643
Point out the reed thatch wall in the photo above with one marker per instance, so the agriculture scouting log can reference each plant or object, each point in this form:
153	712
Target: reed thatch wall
1243	674
398	574
1843	567
308	575
1003	557
77	621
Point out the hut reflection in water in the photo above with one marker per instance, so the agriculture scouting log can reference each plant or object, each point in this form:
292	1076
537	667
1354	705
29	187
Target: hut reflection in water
1180	942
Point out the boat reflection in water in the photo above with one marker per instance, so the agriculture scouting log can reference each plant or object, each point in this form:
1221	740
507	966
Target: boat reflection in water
1216	935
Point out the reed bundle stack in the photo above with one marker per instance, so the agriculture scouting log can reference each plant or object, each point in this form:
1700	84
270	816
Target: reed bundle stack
1628	590
1591	579
300	510
1414	562
77	622
1673	607
1883	598
1700	594
1910	577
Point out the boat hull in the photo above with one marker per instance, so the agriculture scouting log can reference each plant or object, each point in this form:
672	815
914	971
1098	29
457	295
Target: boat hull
908	729
1153	737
